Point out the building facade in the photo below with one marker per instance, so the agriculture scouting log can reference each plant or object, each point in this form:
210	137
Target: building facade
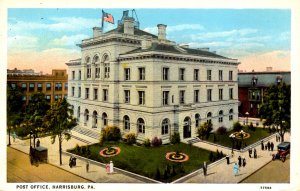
150	86
252	86
54	86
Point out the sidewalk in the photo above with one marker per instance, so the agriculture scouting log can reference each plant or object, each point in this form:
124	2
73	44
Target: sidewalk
223	173
95	174
219	173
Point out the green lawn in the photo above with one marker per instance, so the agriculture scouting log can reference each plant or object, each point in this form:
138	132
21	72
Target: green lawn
255	136
145	160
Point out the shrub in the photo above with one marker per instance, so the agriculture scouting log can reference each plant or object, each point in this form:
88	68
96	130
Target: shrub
222	130
156	142
237	126
111	133
205	130
130	138
147	143
211	156
175	138
77	149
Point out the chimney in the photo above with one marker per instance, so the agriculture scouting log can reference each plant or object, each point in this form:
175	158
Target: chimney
97	31
146	42
128	25
162	31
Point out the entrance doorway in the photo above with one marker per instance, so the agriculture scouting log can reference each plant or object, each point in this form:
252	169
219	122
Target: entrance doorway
187	128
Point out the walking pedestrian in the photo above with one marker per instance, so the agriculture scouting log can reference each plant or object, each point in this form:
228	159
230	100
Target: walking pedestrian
244	162
227	158
111	167
70	162
235	169
276	138
262	144
240	161
266	146
204	167
255	154
107	168
250	152
272	146
279	138
87	166
269	145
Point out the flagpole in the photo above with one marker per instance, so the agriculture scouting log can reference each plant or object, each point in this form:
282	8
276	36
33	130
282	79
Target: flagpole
102	23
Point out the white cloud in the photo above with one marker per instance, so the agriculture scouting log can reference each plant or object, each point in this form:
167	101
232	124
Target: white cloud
68	40
223	34
19	42
175	28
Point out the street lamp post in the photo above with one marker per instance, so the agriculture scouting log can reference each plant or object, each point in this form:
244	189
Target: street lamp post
247	114
232	136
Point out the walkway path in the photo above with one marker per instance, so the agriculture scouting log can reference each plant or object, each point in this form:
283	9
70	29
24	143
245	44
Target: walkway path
223	173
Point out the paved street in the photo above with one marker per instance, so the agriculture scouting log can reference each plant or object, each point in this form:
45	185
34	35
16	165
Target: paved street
19	169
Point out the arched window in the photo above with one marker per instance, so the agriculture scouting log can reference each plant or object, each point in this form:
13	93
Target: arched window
209	115
97	66
86	116
106	66
141	125
95	119
230	114
87	59
78	113
104	118
220	116
197	119
126	122
165	127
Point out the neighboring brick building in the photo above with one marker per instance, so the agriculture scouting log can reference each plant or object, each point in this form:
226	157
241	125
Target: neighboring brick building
54	86
252	86
148	85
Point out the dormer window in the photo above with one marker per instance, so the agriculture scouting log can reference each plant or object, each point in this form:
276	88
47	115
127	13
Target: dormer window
254	81
278	79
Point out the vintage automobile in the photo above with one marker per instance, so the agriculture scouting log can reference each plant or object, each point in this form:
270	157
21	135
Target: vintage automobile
283	151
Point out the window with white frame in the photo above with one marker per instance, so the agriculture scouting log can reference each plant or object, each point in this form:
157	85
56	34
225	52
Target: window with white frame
230	75
73	91
220	75
105	95
127	73
141	73
197	120
88	71
220	94
221	116
209	93
95	93
87	93
127	96
230	114
165	127
165	98
97	71
141	126
181	74
126	121
141	97
196	96
196	74
208	72
181	96
230	93
79	91
165	73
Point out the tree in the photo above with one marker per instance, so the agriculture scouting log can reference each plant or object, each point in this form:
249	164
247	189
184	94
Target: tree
14	108
59	121
205	129
35	112
276	108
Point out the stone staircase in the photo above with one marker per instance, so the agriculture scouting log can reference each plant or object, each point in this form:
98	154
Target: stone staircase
85	135
193	140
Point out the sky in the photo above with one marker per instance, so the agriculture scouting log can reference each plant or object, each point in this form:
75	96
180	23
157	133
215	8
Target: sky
45	39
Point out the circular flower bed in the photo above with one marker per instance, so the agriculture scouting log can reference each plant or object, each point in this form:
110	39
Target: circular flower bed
177	157
239	135
110	151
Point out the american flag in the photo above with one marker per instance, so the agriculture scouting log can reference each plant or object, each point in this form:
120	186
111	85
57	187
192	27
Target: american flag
108	17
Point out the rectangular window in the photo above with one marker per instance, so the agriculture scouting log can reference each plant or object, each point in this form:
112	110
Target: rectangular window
181	96
106	70
141	97
220	119
73	75
79	91
88	71
79	76
208	74
220	75
73	91
196	96
66	86
58	86
127	73
230	93
196	74
40	87
230	75
87	93
97	71
181	74
165	98
127	96
24	87
209	94
165	73
105	94
220	94
57	97
48	86
48	98
95	94
31	87
141	73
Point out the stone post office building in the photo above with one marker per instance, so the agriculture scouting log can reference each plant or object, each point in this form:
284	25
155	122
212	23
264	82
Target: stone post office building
148	85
